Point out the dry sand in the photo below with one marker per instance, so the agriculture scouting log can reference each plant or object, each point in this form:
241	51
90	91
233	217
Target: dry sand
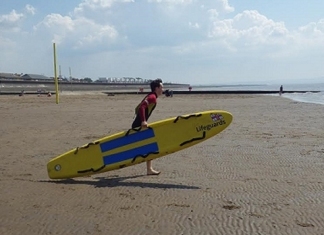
262	175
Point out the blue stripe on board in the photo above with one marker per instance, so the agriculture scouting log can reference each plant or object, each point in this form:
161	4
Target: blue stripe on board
130	154
129	139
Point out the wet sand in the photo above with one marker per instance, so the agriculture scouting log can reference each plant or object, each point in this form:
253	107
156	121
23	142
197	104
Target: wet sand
262	175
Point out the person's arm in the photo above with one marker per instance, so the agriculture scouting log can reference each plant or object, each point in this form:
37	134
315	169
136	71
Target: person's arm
141	110
151	99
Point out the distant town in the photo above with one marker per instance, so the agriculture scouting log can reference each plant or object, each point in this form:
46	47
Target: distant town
20	77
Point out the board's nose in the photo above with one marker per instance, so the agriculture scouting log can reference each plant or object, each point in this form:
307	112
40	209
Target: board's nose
53	170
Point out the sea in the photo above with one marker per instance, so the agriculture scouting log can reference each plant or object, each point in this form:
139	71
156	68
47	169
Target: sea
306	97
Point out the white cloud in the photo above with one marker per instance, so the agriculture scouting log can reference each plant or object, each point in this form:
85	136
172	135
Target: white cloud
194	25
30	9
78	33
253	35
59	22
226	6
217	8
93	5
99	34
223	5
172	1
11	21
310	37
249	28
93	23
313	29
213	14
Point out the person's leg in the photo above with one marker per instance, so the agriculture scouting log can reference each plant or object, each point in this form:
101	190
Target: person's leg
150	170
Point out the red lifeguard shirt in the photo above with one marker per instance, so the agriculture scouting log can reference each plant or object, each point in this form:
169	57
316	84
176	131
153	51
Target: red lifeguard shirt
146	106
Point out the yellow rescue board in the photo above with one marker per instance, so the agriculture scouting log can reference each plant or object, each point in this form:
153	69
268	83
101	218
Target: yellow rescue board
137	145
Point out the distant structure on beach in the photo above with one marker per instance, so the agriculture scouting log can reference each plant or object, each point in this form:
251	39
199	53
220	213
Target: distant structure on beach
24	77
123	80
10	77
35	77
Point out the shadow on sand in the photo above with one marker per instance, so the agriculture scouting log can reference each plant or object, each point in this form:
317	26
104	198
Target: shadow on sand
116	181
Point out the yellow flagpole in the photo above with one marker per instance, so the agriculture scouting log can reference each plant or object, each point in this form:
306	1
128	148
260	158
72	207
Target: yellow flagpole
55	75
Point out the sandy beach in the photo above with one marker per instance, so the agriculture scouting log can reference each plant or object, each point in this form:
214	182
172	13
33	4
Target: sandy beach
262	175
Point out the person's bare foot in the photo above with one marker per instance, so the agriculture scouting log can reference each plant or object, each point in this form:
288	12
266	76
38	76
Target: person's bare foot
153	172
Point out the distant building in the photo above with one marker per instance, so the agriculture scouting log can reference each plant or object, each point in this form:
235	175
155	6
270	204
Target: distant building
103	79
36	77
9	76
122	80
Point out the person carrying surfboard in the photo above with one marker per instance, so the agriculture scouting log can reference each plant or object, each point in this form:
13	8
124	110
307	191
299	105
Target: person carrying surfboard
144	110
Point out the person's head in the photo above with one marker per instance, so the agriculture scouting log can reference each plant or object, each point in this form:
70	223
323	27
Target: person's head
157	86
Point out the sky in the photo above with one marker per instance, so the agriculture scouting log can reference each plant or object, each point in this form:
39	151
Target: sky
182	41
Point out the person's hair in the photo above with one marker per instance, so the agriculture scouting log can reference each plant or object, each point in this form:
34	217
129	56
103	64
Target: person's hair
155	83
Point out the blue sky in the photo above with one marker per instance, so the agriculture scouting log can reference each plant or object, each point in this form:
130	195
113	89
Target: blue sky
189	41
